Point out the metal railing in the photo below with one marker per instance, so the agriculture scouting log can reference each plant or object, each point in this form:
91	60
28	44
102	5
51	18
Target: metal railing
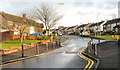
92	48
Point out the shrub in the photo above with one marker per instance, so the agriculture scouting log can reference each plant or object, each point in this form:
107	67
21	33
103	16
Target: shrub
46	37
109	32
41	38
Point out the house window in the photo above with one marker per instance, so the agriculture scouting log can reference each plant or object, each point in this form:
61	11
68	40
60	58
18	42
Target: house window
32	29
10	22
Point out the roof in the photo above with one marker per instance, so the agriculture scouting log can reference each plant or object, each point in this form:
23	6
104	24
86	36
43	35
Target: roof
117	26
2	27
112	21
62	28
83	25
98	23
108	22
71	27
18	19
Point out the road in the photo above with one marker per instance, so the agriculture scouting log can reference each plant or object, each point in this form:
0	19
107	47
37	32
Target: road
65	57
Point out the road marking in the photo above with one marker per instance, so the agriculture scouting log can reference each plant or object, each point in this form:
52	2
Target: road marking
90	62
95	59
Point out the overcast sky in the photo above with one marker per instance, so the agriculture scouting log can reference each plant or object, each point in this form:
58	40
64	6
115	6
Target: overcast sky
75	12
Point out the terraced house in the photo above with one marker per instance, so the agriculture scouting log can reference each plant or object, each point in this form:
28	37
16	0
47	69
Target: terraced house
107	26
11	23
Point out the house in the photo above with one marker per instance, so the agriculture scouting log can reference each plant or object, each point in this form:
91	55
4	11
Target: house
72	29
66	30
117	29
106	26
11	23
110	24
95	28
62	30
80	28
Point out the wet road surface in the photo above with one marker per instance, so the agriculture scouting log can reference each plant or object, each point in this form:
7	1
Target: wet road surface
65	57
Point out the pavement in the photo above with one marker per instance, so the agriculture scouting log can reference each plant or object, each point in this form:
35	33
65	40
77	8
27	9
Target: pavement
107	55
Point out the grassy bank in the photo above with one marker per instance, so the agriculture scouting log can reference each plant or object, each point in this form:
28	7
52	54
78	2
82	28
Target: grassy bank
15	43
56	37
107	37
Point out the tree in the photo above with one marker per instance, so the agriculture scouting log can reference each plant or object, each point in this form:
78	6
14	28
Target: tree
47	15
23	25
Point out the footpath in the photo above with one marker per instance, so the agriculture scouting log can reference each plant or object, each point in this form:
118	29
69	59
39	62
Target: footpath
107	56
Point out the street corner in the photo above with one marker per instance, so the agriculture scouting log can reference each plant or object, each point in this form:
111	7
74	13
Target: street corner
90	61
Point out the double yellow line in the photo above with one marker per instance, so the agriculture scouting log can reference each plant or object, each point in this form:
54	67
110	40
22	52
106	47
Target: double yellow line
90	62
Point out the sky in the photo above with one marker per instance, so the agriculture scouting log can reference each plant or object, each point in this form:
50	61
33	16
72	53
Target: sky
75	12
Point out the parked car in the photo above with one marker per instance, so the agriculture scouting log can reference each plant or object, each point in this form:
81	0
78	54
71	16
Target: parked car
60	34
86	34
36	34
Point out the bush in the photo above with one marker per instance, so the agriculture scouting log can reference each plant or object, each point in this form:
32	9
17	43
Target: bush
41	38
46	37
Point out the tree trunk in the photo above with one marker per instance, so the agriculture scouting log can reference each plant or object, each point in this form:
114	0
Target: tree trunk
48	32
21	37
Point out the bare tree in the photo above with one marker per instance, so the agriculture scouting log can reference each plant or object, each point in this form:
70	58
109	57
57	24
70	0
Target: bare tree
47	15
22	25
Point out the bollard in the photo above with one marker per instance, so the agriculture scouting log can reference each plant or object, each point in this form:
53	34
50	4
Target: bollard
56	42
95	49
59	42
37	49
53	45
98	40
119	43
47	46
22	50
89	47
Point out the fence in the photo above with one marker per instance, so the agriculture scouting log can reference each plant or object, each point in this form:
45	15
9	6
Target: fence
37	49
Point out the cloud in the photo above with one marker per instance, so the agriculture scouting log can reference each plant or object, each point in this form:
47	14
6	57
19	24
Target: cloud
88	4
74	11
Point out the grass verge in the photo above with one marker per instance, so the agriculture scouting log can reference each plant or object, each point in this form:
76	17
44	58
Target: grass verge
107	37
15	43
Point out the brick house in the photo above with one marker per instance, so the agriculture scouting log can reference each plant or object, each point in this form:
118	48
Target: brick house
11	23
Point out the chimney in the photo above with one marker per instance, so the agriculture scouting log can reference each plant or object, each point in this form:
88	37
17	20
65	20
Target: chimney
24	16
